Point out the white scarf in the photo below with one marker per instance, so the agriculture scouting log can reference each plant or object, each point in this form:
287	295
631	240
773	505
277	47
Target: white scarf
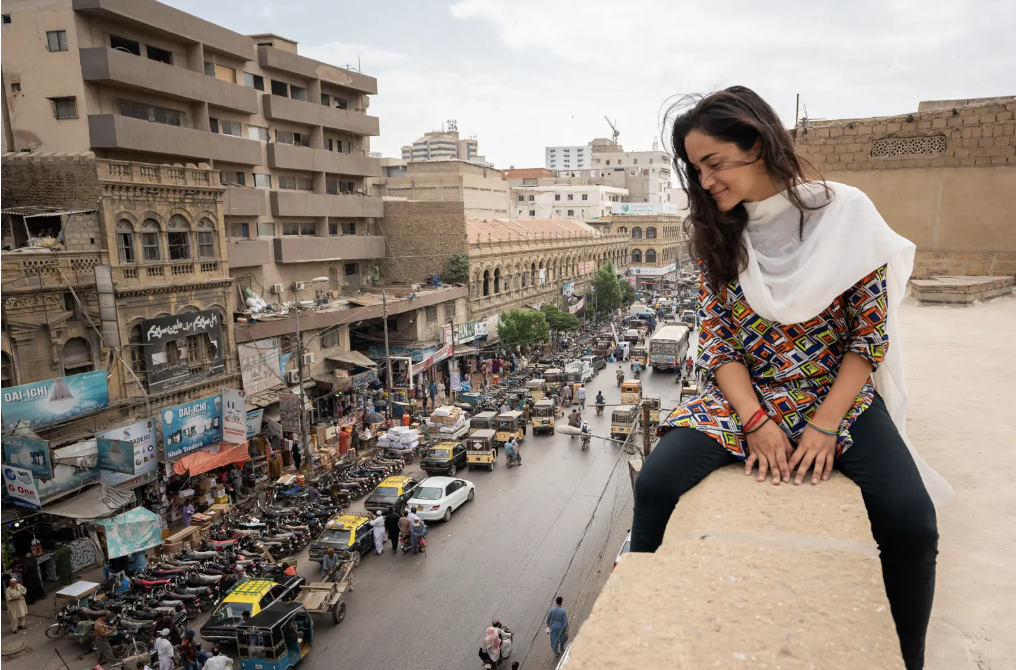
790	281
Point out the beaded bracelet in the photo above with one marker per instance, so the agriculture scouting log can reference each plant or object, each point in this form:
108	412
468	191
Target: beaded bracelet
824	431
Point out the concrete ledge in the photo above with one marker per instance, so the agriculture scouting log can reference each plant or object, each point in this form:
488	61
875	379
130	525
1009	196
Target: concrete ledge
960	290
749	575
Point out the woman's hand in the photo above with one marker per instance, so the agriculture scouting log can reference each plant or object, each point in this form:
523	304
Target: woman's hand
770	448
815	447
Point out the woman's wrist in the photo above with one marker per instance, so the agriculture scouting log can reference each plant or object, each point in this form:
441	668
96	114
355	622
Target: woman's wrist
826	419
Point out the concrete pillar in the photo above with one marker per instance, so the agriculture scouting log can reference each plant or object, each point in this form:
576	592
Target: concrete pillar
314	92
319	182
196	57
317	137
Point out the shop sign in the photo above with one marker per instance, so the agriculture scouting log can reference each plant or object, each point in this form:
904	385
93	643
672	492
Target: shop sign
643	208
568	289
446	334
115	455
21	487
141	435
577	306
364	378
467	332
23	452
234	416
481	329
192	426
158	335
254	419
74	467
43	403
342	381
260	367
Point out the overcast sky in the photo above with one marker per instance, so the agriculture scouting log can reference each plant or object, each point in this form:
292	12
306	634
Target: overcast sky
524	74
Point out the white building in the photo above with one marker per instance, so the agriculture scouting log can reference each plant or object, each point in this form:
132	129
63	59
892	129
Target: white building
569	158
646	175
582	202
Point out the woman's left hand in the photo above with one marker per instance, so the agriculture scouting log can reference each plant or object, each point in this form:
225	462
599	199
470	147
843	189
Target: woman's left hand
815	448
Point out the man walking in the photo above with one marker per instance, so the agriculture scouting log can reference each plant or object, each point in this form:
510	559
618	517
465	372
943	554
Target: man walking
101	630
581	396
392	528
557	626
165	650
16	606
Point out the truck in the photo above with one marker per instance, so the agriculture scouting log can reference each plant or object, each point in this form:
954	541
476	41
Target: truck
669	347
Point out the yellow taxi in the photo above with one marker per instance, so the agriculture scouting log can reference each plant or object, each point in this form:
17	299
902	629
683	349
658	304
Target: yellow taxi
343	533
251	596
391	494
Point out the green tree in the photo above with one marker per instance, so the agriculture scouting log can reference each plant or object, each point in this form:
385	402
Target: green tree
627	293
559	320
522	326
456	269
608	288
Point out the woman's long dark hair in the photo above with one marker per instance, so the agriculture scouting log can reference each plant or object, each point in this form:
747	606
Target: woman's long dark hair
737	115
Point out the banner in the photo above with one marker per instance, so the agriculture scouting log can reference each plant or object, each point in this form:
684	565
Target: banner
234	416
455	379
44	403
141	434
75	467
21	487
289	409
115	455
29	454
254	422
260	366
568	288
168	342
577	306
467	332
189	427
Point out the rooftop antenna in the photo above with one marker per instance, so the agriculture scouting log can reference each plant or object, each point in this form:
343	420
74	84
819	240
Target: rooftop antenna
613	126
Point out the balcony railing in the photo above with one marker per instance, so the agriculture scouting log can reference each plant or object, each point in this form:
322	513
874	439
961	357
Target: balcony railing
159	273
27	271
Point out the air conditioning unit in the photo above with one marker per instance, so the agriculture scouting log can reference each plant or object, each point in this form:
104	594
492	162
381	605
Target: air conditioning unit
293	377
298	286
277	289
308	358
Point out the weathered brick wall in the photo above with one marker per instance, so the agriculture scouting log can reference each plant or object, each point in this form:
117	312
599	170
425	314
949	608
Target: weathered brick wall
83	232
49	181
420	236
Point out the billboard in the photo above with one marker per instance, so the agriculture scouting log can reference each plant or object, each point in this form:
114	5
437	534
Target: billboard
192	426
234	416
642	208
74	467
29	454
254	418
43	403
169	342
20	487
259	365
141	434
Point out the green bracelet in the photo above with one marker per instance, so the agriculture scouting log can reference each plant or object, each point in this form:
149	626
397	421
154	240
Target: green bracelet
824	431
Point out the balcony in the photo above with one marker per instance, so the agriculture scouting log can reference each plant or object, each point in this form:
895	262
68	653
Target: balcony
304	203
112	131
344	248
249	253
32	271
168	272
290	157
104	65
312	114
242	201
148	16
276	59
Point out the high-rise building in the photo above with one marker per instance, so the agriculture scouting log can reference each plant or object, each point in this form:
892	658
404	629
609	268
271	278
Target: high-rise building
444	145
645	174
569	158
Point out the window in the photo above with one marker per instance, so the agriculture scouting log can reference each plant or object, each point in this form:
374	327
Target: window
608	161
254	81
179	239
532	198
138	110
349	228
6	20
571	212
650	255
336	186
297	93
557	196
532	212
330	338
172	352
123	44
233	177
522	198
16	87
157	54
636	256
305	229
77	356
206	239
125	242
635	162
350	269
585	196
292	183
262	180
571	196
56	40
151	249
289	137
651	233
326	100
636	233
64	108
330	144
266	229
257	133
280	88
239	231
431	314
224	73
225	127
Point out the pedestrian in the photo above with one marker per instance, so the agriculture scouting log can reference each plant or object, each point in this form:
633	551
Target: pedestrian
16	606
405	524
557	626
581	395
378	525
166	622
101	630
218	661
355	439
433	393
392	528
417	531
188	652
165	650
297	456
328	564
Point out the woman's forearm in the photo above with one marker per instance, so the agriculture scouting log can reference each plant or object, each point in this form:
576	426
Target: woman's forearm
853	373
733	380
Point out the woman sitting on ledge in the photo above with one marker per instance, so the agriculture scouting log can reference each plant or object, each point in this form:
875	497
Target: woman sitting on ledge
798	341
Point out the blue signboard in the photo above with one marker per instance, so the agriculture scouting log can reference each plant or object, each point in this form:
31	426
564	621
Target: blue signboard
189	427
33	455
54	400
115	455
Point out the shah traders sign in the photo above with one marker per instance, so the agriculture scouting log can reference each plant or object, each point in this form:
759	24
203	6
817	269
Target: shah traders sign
259	365
141	434
43	403
170	341
192	426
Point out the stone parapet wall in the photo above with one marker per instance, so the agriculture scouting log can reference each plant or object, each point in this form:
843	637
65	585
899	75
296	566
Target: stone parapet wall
937	263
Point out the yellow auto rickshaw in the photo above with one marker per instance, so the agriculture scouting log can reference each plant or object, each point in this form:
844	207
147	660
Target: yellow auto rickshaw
543	416
510	424
631	391
481	450
536	389
640	354
481	421
622	421
553	378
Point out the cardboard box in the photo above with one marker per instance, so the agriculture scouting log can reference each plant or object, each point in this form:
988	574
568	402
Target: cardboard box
180	534
219	510
222	500
171	547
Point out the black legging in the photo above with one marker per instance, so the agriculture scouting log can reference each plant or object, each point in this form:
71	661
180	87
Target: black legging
900	510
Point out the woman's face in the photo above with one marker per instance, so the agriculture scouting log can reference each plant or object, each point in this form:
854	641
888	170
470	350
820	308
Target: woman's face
730	174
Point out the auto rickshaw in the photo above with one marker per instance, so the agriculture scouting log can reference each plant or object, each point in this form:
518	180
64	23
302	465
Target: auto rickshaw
481	450
510	424
631	391
481	421
654	409
276	638
553	378
543	416
622	421
516	397
640	354
536	389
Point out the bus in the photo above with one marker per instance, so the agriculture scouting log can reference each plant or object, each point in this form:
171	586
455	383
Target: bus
669	347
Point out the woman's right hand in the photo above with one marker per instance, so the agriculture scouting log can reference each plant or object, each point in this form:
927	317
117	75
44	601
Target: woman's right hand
770	448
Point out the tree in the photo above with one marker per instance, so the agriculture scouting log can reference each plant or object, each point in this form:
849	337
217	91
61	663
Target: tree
522	326
559	320
627	293
608	288
456	269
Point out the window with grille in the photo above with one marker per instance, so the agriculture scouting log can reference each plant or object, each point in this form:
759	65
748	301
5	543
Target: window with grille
56	40
651	233
125	245
206	244
908	147
179	245
431	314
585	196
151	249
65	108
636	233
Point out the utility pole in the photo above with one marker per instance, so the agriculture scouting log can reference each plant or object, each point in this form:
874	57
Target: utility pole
299	352
797	109
388	355
646	437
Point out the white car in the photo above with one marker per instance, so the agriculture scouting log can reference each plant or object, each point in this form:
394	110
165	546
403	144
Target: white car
625	548
437	497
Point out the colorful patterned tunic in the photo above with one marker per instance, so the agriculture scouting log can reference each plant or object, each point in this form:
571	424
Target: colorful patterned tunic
791	367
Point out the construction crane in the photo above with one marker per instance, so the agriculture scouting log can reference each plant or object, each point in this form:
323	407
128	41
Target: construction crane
613	126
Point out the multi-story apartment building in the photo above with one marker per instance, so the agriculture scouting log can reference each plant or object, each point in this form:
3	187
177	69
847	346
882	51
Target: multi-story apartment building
440	145
568	158
564	201
483	190
646	175
141	81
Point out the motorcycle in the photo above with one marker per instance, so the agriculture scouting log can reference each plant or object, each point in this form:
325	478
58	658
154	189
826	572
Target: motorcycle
510	460
638	372
599	409
586	437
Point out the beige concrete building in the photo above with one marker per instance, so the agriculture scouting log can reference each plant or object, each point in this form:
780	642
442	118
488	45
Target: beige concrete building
646	175
441	145
944	177
659	246
483	190
143	81
563	201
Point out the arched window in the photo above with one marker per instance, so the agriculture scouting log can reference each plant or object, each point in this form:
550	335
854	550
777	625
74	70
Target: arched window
125	242
6	371
151	241
532	275
650	255
178	238
476	286
206	239
636	256
486	282
622	229
525	277
651	233
77	356
172	352
636	233
497	280
515	281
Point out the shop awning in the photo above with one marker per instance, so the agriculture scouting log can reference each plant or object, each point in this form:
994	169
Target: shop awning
134	530
90	504
352	358
203	461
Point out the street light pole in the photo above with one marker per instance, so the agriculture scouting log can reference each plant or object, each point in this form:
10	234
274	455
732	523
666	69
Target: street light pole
388	355
302	436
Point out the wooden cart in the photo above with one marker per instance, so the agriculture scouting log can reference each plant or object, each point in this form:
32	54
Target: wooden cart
325	597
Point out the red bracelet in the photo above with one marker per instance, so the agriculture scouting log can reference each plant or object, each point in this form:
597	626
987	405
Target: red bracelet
755	418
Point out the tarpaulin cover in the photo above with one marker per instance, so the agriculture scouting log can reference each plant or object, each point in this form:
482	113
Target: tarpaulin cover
132	531
89	504
203	461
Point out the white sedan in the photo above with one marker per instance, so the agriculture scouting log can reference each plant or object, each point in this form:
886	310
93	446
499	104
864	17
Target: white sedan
437	497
